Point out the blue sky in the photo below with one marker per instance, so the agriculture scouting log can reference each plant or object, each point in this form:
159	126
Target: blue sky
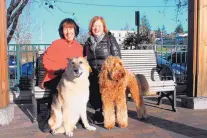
116	17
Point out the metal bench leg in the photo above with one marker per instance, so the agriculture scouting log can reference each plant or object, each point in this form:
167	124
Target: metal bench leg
174	101
34	106
160	98
38	106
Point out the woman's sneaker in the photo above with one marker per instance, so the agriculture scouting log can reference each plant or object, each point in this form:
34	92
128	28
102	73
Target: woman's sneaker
98	118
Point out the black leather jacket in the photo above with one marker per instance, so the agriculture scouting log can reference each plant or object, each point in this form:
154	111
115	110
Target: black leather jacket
106	47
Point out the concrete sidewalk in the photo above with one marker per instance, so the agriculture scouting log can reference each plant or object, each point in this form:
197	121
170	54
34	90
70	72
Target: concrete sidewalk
161	123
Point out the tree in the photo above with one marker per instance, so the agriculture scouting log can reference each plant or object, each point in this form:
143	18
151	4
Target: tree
164	30
180	5
144	26
179	29
13	13
25	26
152	37
130	42
158	32
146	36
15	9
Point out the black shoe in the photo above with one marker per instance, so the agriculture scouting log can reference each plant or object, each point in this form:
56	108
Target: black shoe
98	118
46	127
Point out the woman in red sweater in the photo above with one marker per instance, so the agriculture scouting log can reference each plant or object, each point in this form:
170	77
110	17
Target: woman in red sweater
55	58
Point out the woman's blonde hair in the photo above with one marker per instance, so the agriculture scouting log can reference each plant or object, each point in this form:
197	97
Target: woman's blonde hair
93	20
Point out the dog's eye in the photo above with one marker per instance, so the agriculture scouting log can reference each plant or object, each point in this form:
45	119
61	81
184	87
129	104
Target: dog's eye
73	62
80	62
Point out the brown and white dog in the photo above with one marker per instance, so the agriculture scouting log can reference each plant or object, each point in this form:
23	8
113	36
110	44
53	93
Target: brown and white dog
71	101
114	79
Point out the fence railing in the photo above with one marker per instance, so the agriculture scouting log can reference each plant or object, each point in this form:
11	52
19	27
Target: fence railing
176	57
21	59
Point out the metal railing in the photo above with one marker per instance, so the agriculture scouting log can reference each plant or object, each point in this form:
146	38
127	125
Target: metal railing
21	58
174	56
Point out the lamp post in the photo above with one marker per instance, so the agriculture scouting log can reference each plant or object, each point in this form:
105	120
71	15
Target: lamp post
137	22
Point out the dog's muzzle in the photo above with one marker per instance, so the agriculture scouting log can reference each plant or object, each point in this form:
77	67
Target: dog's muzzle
77	72
120	73
117	74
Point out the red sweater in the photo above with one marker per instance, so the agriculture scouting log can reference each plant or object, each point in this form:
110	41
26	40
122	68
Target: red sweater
56	55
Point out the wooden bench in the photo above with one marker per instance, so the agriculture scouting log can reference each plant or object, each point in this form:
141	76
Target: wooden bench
138	61
39	95
160	78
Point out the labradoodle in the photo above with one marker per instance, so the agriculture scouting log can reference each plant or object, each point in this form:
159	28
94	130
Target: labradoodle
114	81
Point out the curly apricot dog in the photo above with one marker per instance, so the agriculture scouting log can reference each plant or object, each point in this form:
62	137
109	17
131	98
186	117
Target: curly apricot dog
114	79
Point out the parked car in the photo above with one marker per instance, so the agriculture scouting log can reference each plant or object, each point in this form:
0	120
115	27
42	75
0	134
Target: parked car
179	69
178	56
26	69
12	66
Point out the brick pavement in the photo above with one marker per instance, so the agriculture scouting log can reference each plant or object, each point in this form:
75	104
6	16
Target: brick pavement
161	123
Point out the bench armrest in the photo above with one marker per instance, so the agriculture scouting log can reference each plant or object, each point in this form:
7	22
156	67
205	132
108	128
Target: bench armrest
163	70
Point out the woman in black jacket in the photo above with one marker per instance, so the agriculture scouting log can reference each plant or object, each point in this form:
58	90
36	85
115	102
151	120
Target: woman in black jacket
97	48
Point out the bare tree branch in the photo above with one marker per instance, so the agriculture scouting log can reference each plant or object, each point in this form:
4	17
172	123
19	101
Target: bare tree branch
180	4
14	11
13	5
17	12
14	25
25	27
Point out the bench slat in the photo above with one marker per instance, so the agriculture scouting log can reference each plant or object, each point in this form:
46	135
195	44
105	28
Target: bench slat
158	89
142	62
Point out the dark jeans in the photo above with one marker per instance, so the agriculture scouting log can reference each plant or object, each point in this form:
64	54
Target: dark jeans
52	85
95	96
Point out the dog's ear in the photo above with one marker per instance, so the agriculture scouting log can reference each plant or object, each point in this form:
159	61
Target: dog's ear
69	59
104	73
85	57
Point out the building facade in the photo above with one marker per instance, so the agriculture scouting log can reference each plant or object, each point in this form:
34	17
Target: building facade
120	35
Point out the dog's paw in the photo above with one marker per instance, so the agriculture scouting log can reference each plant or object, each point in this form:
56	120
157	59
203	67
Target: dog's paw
123	125
141	113
53	132
90	128
109	127
75	127
69	133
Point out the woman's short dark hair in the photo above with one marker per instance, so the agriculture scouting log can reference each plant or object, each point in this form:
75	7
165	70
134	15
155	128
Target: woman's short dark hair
71	23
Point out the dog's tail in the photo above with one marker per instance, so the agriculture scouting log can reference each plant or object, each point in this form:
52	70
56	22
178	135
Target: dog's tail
136	93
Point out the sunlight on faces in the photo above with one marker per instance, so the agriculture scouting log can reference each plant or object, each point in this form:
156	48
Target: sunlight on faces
78	66
97	28
69	32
